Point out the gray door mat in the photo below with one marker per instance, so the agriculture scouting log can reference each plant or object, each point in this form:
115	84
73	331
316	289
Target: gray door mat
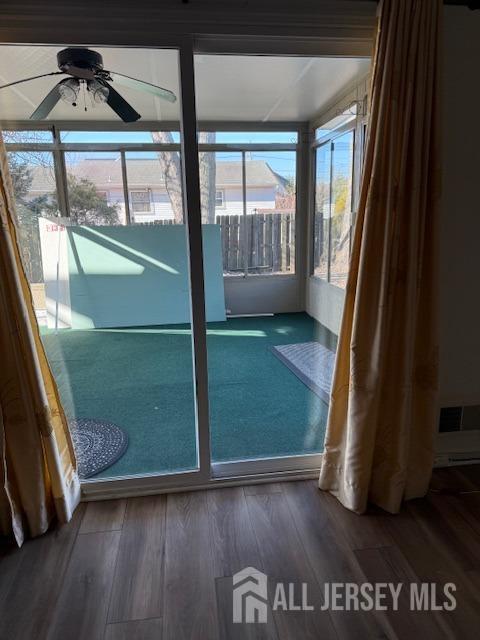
311	362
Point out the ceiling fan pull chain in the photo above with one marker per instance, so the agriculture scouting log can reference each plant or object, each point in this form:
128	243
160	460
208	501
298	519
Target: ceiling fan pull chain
84	97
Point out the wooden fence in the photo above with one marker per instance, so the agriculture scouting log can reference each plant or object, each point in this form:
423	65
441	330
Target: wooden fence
261	242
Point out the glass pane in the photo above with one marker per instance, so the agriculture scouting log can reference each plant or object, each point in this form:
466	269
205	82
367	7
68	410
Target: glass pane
95	188
255	137
342	173
155	187
259	408
221	187
349	114
114	137
322	211
271	192
115	298
34	187
27	137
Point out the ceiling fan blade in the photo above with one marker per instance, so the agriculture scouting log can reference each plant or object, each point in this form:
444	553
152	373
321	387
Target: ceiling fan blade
121	107
47	104
141	85
44	75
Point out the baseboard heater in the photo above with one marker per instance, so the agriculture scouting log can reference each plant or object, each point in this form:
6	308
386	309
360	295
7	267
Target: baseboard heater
457	447
458	441
249	315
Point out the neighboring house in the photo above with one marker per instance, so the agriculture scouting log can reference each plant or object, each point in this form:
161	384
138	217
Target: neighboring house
149	199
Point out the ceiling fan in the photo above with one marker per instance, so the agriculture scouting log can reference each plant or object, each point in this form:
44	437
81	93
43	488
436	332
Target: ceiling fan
85	68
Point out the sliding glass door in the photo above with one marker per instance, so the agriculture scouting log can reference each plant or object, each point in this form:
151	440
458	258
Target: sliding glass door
167	262
109	228
263	417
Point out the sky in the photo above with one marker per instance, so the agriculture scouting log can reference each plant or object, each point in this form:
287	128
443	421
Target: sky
282	162
289	137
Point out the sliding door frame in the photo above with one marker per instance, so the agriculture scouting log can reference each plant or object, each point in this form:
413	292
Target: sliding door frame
209	474
153	483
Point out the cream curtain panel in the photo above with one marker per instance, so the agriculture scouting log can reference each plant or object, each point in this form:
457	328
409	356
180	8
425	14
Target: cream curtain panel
382	423
37	462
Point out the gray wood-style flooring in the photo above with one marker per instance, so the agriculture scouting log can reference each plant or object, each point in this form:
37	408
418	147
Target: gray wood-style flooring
161	567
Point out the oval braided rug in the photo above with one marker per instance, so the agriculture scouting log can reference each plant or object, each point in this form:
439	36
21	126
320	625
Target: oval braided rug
98	444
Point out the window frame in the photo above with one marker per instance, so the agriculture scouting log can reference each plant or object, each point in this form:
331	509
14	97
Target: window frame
349	213
355	125
60	148
314	206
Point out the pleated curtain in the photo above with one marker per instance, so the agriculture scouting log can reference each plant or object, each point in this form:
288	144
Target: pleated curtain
381	429
38	477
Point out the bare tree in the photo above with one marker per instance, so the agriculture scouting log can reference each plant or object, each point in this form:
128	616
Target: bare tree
207	177
172	174
32	157
171	171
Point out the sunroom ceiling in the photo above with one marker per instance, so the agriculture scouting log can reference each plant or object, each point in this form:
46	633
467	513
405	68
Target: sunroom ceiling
229	88
267	88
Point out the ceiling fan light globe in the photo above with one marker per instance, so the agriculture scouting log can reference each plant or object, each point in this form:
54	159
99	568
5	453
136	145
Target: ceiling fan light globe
69	90
99	91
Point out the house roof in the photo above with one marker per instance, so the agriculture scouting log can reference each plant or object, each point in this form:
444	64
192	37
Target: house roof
105	172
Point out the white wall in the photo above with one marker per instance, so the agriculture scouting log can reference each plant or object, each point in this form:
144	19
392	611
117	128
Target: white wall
263	294
257	198
324	302
460	217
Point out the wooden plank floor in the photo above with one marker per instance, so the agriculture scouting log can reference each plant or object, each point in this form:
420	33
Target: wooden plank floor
160	567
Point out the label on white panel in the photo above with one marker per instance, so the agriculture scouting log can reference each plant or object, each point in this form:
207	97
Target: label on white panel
54	246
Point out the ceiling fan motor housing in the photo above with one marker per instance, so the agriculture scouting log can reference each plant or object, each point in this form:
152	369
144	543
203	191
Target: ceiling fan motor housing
78	58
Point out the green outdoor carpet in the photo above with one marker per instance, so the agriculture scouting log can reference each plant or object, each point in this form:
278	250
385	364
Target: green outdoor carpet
141	379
